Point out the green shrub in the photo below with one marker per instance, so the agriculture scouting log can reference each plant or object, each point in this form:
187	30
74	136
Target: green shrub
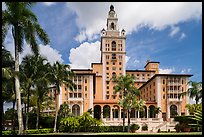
134	127
144	127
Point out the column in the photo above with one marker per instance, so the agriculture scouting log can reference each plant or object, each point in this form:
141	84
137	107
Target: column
138	114
119	111
147	112
111	113
101	113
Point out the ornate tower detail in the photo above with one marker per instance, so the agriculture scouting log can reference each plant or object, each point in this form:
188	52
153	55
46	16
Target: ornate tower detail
112	54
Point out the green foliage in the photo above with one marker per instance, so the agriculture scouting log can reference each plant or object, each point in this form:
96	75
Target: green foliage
134	127
198	118
28	132
144	127
84	123
193	107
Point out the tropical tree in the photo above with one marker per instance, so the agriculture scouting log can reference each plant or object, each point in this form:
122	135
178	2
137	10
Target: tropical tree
156	111
123	84
24	25
60	73
195	90
192	108
8	93
64	110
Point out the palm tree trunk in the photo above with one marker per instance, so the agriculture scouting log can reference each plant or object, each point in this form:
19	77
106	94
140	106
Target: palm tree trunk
128	120
27	111
38	113
123	119
55	126
17	83
13	121
2	128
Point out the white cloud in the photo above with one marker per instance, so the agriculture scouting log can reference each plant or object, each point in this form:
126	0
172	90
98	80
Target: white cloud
166	71
126	60
51	54
174	31
183	35
91	16
84	55
48	3
184	71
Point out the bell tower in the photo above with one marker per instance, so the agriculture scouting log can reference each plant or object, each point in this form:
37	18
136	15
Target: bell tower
112	54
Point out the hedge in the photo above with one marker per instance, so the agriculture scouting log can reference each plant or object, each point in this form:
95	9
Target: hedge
31	131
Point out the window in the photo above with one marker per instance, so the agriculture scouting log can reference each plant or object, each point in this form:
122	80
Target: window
107	74
107	87
85	88
107	82
147	74
113	74
70	95
79	95
85	95
120	68
164	96
163	81
114	97
107	92
113	46
75	95
120	57
113	63
85	80
107	56
120	47
114	56
107	63
120	63
114	68
182	81
107	97
107	68
79	87
164	89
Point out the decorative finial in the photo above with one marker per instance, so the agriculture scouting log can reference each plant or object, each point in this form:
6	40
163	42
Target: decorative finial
111	7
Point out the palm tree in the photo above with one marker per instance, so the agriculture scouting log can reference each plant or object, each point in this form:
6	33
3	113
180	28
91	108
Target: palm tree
8	93
156	111
123	84
60	73
24	25
195	90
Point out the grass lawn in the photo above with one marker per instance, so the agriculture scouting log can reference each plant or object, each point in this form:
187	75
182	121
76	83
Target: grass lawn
124	133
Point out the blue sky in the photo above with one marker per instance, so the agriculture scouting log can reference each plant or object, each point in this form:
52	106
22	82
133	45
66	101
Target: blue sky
170	33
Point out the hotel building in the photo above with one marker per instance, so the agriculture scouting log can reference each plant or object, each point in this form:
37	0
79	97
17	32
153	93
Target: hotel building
95	89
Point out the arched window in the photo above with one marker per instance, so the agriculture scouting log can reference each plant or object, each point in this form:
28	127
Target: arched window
113	74
112	26
173	111
76	110
113	46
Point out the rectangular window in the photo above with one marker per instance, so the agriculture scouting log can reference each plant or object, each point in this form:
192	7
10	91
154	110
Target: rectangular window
107	82
120	57
107	92
107	63
120	68
85	80
164	89
107	97
120	63
164	96
75	95
85	95
85	88
163	81
107	56
107	68
107	87
114	68
79	95
70	95
79	87
113	63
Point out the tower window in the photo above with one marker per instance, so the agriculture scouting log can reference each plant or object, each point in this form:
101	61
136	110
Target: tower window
112	26
113	56
113	46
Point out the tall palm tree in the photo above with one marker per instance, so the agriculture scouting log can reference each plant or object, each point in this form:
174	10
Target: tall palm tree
123	84
24	25
60	73
195	90
132	101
